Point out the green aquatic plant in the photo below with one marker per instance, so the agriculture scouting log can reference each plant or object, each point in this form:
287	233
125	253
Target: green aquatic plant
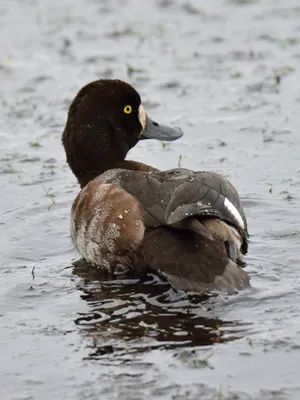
35	144
220	394
179	160
50	196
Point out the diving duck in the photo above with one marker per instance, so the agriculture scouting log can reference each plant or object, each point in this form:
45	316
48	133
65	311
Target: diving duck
186	226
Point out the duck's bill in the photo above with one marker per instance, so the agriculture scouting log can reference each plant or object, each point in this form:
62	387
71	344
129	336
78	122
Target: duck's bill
153	130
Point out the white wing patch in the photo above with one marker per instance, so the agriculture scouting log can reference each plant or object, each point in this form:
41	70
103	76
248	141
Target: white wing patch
234	212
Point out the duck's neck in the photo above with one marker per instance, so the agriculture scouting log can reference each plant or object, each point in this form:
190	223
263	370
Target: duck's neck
85	178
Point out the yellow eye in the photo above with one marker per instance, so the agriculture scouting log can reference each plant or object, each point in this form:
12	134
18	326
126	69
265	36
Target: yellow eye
127	110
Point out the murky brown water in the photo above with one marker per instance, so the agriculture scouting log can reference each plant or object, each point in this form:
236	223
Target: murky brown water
228	72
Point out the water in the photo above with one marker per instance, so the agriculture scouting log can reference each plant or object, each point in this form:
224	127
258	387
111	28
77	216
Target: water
227	72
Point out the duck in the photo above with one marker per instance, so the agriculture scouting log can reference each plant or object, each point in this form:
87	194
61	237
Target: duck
188	227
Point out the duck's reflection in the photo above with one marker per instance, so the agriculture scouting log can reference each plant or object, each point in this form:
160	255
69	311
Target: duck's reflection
135	315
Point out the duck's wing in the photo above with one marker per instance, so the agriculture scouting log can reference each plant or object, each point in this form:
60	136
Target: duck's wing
204	196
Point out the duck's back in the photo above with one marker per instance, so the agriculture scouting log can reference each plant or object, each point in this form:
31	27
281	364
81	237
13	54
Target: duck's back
171	197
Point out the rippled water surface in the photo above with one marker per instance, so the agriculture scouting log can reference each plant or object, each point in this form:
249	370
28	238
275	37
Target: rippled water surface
227	72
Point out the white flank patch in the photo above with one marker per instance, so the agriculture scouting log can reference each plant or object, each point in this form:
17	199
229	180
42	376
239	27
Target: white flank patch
234	212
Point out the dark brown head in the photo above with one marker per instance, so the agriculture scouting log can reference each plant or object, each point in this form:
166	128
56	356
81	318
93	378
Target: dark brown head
105	120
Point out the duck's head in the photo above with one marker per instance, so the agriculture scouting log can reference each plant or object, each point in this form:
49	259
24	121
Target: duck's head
105	120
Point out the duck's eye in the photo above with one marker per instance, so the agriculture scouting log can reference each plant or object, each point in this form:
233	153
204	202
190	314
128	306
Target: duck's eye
127	110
